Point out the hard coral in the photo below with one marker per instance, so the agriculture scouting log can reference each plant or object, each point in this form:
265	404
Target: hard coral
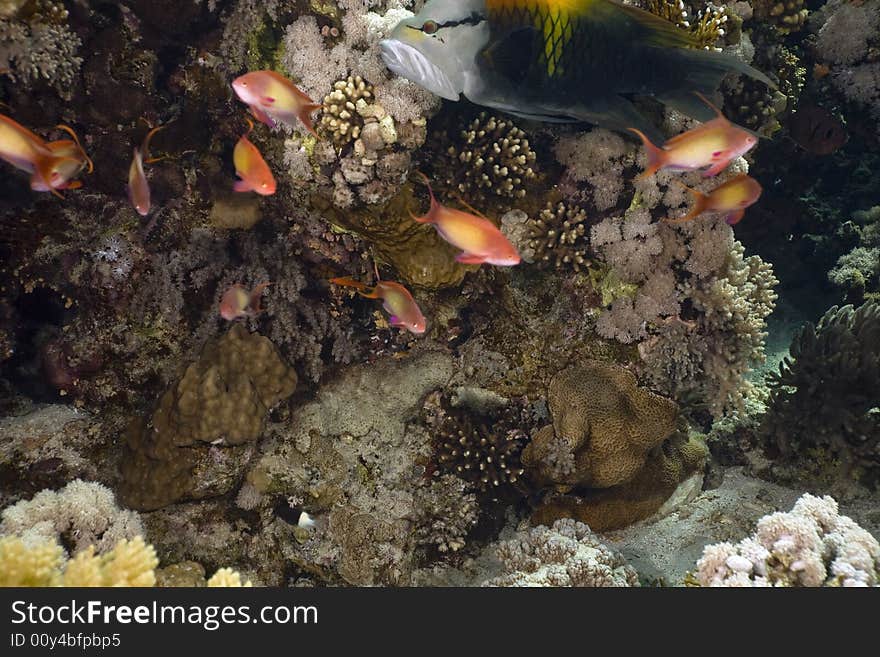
560	236
564	554
787	15
221	398
491	157
447	511
606	421
837	361
812	545
482	448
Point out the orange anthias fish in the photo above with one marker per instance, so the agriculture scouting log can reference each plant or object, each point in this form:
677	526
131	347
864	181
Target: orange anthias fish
479	239
251	167
52	164
714	144
733	197
397	301
272	97
238	302
138	187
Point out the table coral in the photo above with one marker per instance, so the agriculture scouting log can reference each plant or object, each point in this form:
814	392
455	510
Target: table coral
812	545
608	422
566	553
223	397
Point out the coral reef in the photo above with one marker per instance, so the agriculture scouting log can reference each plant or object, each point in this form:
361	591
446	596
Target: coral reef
447	512
786	15
481	447
222	398
128	563
490	157
837	361
566	553
605	420
559	236
80	515
812	545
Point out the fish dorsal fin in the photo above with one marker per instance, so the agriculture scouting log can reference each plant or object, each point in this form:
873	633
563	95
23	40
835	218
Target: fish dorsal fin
472	209
651	30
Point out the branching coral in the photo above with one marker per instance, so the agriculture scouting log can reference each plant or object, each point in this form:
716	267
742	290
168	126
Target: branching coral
482	448
786	15
838	362
564	554
39	44
560	236
706	25
812	545
128	563
490	157
80	514
447	511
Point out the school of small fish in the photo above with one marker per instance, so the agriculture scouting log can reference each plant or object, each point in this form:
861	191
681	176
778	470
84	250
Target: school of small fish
272	99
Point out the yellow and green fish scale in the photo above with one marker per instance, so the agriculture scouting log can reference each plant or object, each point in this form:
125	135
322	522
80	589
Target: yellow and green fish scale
553	19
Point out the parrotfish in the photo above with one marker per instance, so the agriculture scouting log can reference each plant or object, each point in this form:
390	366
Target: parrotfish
733	197
714	144
479	239
251	167
238	302
396	300
138	187
272	97
557	60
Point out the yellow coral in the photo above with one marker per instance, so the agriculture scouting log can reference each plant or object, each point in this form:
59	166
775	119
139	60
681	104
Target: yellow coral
228	578
129	563
24	566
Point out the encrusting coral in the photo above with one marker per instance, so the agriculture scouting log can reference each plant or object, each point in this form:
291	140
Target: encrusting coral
128	563
222	397
812	545
566	553
837	361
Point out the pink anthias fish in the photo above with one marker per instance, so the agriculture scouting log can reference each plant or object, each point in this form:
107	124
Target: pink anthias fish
52	165
733	197
138	187
272	97
238	302
714	144
397	301
479	239
251	168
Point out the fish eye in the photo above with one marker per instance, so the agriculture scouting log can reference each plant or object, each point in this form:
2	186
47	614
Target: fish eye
430	27
264	185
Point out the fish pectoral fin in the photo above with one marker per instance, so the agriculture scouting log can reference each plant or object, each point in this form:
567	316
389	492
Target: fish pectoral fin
262	117
716	168
617	113
470	259
394	320
242	186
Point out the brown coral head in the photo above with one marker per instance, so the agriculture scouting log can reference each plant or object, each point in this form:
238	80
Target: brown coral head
608	423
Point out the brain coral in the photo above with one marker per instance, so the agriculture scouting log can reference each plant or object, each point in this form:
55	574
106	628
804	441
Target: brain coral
221	397
605	420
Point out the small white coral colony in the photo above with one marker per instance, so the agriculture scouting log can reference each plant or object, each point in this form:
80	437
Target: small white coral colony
813	545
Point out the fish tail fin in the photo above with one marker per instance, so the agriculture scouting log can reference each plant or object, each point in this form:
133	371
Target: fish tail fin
700	202
428	218
242	186
305	116
656	155
72	133
362	288
145	145
256	296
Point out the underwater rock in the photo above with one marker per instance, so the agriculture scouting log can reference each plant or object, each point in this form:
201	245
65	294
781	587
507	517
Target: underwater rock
222	399
351	459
